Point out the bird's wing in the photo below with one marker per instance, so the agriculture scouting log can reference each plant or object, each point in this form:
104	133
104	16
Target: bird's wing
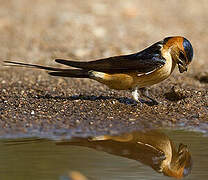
145	61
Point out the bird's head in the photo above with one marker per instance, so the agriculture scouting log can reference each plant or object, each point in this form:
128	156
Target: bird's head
181	51
181	163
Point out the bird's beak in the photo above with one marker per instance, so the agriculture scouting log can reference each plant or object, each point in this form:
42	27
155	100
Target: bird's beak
182	66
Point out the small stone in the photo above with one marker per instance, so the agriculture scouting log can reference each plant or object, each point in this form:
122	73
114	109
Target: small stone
202	77
114	102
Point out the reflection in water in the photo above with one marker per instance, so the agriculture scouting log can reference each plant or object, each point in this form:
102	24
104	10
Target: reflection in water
152	148
75	175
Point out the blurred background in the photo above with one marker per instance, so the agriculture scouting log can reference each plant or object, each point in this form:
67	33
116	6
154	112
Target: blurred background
38	31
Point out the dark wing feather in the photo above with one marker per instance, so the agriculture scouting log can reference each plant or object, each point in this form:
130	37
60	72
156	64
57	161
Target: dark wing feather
144	61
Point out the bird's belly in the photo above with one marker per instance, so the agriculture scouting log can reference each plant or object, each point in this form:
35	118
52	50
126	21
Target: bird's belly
119	81
131	80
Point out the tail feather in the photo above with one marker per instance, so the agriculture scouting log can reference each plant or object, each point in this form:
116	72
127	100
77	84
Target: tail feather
77	73
77	64
34	66
73	73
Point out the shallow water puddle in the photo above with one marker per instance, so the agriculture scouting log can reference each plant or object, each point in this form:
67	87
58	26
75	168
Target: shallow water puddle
136	155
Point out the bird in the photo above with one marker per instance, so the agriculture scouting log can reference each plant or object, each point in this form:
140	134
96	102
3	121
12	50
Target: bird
150	147
135	72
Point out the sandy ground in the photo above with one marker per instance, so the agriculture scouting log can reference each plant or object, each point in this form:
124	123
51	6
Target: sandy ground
38	31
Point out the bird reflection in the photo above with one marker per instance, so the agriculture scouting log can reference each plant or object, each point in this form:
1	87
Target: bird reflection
152	148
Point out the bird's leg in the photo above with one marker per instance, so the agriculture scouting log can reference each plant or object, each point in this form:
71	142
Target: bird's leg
144	92
135	94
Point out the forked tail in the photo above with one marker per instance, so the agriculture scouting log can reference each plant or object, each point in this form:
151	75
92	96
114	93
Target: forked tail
75	73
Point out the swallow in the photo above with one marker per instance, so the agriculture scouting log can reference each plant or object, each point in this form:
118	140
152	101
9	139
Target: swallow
150	147
134	72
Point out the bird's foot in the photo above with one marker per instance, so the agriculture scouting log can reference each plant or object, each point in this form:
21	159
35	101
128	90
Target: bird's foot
150	102
144	93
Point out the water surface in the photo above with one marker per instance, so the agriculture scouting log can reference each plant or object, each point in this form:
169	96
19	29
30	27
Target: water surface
43	159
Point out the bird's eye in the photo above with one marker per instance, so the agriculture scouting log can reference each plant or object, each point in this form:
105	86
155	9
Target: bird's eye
181	56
